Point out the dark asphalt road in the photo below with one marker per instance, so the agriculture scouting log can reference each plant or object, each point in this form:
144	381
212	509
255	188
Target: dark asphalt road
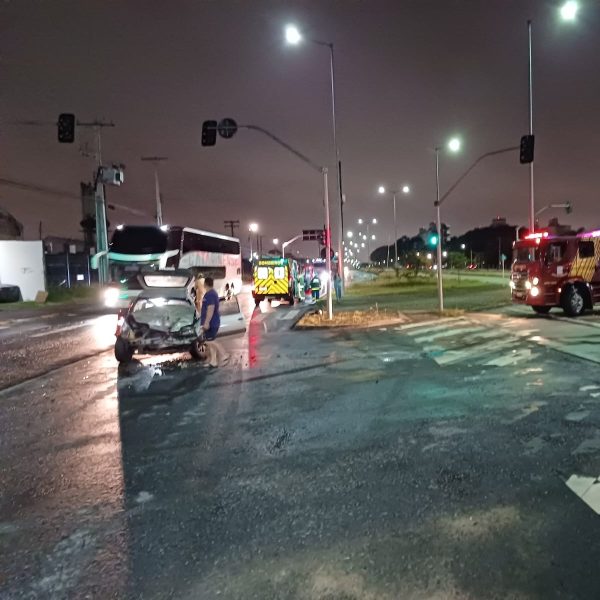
346	465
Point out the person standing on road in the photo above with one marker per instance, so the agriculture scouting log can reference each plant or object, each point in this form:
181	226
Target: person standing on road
337	284
211	321
315	286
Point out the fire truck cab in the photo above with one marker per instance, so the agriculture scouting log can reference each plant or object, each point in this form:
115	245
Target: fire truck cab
563	271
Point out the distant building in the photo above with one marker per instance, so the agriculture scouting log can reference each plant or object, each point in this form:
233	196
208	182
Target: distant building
10	228
498	221
58	245
555	228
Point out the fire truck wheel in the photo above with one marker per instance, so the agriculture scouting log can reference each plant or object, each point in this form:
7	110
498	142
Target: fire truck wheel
257	301
291	299
573	302
541	310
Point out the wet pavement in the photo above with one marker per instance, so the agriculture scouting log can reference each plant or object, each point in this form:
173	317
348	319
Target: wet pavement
420	462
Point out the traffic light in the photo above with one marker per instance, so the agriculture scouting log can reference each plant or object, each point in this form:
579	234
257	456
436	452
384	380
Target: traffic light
209	133
432	238
66	128
526	150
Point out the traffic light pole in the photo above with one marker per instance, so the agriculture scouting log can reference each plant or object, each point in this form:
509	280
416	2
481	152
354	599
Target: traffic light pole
440	281
328	246
531	187
323	171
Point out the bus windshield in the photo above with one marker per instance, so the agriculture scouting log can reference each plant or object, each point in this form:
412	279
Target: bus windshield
139	240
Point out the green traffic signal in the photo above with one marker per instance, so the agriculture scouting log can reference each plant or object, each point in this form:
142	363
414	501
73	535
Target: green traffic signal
433	240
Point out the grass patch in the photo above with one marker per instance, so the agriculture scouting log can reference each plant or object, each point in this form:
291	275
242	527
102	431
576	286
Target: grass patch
420	293
57	295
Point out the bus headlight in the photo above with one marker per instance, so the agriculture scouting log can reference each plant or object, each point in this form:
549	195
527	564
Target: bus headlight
111	296
535	291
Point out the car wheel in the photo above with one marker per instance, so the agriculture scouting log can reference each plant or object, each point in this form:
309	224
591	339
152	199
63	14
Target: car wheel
541	310
123	350
198	349
573	302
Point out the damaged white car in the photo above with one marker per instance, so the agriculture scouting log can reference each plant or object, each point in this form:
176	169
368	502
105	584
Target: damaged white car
163	318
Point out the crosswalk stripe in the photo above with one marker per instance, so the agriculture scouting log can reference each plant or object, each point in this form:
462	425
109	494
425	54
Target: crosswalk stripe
418	329
448	333
479	353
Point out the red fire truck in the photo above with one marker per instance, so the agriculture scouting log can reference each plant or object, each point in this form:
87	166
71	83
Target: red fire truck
563	271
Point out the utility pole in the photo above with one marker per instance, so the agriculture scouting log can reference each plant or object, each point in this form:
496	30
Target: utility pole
101	232
232	225
530	88
155	160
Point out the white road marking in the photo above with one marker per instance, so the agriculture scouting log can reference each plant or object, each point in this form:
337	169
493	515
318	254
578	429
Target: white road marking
587	388
513	358
447	333
425	326
60	329
587	488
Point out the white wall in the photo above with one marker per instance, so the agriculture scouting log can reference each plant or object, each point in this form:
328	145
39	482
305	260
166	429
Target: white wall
22	264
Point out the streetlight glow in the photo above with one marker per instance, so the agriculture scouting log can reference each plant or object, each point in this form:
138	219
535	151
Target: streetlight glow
360	221
569	10
374	221
275	241
454	145
405	189
349	234
253	227
292	35
381	189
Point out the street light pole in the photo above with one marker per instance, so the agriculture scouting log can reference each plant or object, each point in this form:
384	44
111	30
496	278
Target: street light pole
440	283
530	75
155	160
294	37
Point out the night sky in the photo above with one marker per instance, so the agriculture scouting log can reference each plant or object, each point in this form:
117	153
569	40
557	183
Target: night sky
409	75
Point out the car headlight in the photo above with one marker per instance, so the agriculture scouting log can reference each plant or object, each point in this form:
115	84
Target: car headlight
111	296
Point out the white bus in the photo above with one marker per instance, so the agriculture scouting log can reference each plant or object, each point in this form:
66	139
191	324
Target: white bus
137	248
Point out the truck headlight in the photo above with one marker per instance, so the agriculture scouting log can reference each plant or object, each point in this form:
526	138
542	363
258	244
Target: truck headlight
511	284
535	281
528	285
535	291
111	296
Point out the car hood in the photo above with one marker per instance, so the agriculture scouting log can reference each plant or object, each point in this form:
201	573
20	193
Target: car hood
168	319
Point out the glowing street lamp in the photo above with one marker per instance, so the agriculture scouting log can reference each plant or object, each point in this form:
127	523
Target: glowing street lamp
252	228
568	11
275	241
405	190
292	35
349	234
360	221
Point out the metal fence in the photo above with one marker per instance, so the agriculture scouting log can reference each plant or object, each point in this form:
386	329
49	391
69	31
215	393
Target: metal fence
69	270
